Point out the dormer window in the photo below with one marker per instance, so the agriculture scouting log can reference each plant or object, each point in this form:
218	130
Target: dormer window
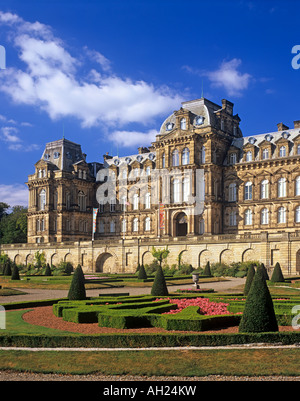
268	137
282	151
285	135
199	120
252	140
139	158
249	156
56	155
183	123
127	160
46	156
265	154
169	126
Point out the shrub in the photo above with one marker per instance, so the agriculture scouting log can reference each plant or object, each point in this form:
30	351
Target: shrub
207	271
15	273
249	279
159	287
277	276
48	270
7	269
142	275
77	288
259	315
266	276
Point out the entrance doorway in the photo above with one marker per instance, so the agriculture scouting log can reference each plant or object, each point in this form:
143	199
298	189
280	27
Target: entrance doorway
181	225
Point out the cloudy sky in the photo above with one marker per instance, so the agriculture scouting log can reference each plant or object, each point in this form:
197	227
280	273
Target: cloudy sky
106	73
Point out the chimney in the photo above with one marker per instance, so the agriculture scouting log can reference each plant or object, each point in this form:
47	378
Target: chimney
106	156
282	127
143	150
227	106
297	124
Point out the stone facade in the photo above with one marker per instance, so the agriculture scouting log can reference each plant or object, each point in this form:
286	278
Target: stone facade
224	197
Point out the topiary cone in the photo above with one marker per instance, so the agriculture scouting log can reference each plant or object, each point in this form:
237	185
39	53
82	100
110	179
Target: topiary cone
77	288
277	276
259	315
249	279
15	273
142	275
159	287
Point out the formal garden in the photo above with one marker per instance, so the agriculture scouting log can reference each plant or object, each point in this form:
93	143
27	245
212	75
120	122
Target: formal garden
264	311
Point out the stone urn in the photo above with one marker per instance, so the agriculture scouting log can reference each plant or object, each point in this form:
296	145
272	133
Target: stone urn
195	278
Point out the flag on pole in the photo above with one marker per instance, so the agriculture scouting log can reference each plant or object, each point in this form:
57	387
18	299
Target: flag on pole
95	211
161	216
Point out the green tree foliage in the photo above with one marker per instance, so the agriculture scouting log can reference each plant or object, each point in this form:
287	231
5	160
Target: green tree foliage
15	273
160	254
207	271
13	226
159	287
39	259
77	288
258	315
142	275
277	276
249	279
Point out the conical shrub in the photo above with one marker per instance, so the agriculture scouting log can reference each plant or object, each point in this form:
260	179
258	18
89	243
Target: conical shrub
277	276
142	275
77	288
48	270
258	315
7	269
207	271
15	273
249	279
266	276
159	287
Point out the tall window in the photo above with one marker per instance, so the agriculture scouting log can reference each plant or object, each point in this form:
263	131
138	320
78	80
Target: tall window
112	226
123	226
248	190
248	217
112	205
282	151
42	199
147	200
101	226
281	187
201	226
298	149
297	186
297	214
265	154
249	156
232	192
183	123
148	170
68	201
264	217
185	156
186	189
264	189
281	217
176	190
232	159
175	158
135	227
163	161
123	203
55	197
82	201
135	202
147	224
232	218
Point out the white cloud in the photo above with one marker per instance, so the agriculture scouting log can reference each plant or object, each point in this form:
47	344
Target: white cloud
228	77
133	138
14	142
15	194
9	134
51	80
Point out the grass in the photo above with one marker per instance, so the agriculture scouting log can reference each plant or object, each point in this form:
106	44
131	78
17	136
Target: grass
156	363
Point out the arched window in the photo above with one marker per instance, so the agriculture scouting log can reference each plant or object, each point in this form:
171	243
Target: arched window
147	224
232	218
135	226
297	214
202	155
282	151
82	201
248	217
264	216
248	190
42	199
232	192
281	190
183	123
175	158
123	203
185	156
265	154
297	186
135	202
186	189
264	189
147	200
281	217
249	156
176	190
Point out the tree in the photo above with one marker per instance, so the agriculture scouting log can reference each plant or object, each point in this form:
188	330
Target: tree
160	254
207	271
7	269
15	273
142	275
259	315
159	287
40	260
249	279
13	226
48	270
77	288
266	276
3	209
277	276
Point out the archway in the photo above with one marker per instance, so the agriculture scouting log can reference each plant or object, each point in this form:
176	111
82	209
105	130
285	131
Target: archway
105	263
181	225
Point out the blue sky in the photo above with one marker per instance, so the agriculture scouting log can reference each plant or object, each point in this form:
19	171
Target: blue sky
107	73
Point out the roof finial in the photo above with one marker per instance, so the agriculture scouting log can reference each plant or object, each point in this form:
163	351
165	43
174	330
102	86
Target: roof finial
63	131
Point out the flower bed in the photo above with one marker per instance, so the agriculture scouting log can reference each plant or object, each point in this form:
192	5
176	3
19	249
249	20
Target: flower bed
206	306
